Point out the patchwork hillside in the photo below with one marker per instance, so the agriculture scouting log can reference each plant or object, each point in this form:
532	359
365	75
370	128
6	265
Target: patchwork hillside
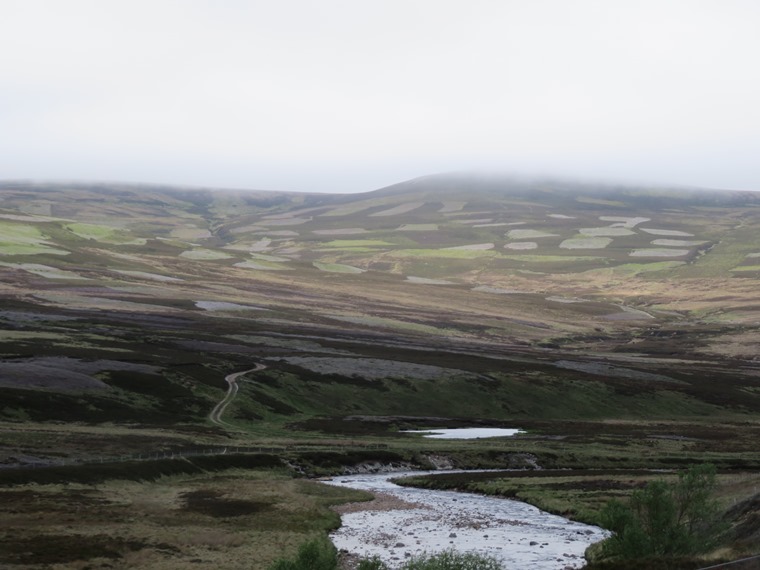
444	296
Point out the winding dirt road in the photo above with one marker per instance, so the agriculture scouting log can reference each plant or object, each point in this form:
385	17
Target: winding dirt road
216	414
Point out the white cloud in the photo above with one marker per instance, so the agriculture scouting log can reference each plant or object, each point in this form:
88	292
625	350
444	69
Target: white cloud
348	95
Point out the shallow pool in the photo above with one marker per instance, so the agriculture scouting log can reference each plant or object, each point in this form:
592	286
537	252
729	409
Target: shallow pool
466	433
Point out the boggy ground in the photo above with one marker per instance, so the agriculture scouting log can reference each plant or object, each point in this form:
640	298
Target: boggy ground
233	519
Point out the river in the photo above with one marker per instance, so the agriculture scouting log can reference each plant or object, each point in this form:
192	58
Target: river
406	522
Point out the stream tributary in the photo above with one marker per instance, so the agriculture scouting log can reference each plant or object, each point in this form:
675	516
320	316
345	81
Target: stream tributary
406	521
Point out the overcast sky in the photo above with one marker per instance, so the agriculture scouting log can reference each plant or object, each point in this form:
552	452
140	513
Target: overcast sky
327	95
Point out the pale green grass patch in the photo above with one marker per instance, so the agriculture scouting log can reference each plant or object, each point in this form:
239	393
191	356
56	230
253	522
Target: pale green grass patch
417	228
674	233
472	247
105	234
341	232
745	268
45	271
658	252
226	306
337	267
607	231
529	234
677	242
23	239
265	257
262	265
426	281
452	206
261	245
498	290
400	209
625	221
586	243
522	245
30	249
443	253
341	243
204	254
20	234
552	258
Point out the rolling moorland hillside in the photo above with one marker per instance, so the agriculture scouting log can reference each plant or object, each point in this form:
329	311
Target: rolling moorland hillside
617	325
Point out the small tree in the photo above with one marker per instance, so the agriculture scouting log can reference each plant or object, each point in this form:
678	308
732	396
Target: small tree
666	519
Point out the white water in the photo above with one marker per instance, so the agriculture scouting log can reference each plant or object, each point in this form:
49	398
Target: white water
518	534
466	433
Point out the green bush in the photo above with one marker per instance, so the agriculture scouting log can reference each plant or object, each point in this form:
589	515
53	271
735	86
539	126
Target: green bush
316	554
665	519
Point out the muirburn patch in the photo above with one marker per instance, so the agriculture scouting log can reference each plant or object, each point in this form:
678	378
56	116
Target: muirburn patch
345	426
65	549
213	503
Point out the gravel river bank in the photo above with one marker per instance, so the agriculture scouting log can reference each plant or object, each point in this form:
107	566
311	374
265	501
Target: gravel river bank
403	522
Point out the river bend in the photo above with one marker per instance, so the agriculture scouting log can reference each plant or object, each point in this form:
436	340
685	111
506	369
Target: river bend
518	534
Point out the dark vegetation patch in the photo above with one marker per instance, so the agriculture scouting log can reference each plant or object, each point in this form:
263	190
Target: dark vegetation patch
68	548
26	501
310	376
344	426
136	470
148	384
52	406
213	503
334	461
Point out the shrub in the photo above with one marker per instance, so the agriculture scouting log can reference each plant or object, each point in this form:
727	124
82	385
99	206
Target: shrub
665	519
316	554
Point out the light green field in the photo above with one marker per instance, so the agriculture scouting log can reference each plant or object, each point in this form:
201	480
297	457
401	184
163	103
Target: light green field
204	254
552	258
263	265
104	234
631	269
337	267
344	243
529	234
44	270
585	243
445	253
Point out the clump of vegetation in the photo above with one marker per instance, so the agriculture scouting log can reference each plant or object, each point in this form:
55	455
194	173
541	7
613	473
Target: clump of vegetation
316	554
320	554
446	560
665	519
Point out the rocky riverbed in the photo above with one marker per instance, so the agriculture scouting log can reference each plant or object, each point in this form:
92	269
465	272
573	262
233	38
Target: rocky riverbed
403	522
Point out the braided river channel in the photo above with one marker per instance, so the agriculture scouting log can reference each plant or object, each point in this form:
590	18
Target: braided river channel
403	522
